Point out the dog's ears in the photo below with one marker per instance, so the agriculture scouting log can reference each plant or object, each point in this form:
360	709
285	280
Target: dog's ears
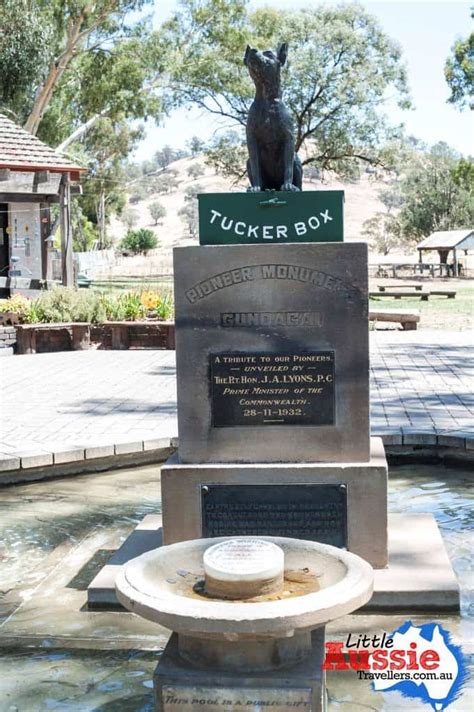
246	57
282	52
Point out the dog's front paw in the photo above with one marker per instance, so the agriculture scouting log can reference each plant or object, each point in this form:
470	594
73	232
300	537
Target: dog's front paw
254	189
289	187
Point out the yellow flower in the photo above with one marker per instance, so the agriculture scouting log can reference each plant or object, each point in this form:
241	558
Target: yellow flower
150	300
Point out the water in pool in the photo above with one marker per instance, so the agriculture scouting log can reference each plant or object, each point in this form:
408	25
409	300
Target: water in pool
105	661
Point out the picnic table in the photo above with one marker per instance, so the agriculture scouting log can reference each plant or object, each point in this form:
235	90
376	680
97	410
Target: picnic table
449	293
403	285
398	294
423	294
408	318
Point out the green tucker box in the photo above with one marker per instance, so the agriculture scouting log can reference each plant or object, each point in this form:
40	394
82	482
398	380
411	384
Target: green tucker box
271	217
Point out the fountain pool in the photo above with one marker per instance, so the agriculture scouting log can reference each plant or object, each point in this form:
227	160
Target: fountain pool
100	661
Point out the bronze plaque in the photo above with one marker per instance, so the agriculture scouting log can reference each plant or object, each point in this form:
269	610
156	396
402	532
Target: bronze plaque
272	388
313	512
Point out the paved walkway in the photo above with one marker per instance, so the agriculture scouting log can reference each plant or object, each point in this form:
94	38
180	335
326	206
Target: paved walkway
114	401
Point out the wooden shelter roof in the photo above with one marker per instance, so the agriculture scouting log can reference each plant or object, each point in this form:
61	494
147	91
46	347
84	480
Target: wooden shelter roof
21	151
445	240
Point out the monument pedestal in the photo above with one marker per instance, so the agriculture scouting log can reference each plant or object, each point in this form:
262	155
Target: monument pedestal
179	687
272	359
344	504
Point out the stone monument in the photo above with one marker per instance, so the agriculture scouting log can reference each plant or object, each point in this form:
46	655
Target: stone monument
272	358
272	361
273	398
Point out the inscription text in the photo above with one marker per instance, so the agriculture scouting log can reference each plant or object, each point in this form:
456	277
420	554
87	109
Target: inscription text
272	389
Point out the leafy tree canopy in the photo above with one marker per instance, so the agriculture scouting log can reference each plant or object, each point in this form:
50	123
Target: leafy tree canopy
342	67
459	72
24	51
196	145
462	174
157	211
437	191
66	61
140	240
383	232
76	72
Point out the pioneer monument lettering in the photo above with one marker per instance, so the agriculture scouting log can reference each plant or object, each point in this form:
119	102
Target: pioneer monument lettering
250	273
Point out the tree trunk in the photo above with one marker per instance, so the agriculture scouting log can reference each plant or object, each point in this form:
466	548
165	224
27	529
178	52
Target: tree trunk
66	231
101	219
55	73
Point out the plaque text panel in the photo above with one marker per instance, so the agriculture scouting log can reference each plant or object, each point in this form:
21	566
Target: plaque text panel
272	388
223	699
314	512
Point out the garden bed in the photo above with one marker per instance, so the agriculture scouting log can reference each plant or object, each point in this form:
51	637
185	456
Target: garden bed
64	319
80	336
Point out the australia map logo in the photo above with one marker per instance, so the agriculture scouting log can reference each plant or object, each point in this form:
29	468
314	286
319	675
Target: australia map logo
419	662
439	685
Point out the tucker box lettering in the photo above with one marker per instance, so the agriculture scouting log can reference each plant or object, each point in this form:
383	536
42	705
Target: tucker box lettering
270	217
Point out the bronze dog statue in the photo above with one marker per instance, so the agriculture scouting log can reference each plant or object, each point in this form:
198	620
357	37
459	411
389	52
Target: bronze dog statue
272	163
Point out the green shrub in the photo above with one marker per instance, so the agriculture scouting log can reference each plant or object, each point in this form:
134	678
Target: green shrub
111	307
52	306
62	304
195	171
126	306
132	306
140	240
86	306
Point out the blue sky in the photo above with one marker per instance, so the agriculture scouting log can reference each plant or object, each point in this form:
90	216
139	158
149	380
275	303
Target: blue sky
426	31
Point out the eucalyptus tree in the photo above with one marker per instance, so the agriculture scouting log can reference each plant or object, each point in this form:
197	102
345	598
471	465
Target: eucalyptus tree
342	68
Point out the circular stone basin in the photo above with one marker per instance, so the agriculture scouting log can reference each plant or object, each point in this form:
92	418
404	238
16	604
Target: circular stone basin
158	586
243	568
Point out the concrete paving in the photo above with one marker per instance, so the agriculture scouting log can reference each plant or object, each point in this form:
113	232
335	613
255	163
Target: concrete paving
63	407
422	384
